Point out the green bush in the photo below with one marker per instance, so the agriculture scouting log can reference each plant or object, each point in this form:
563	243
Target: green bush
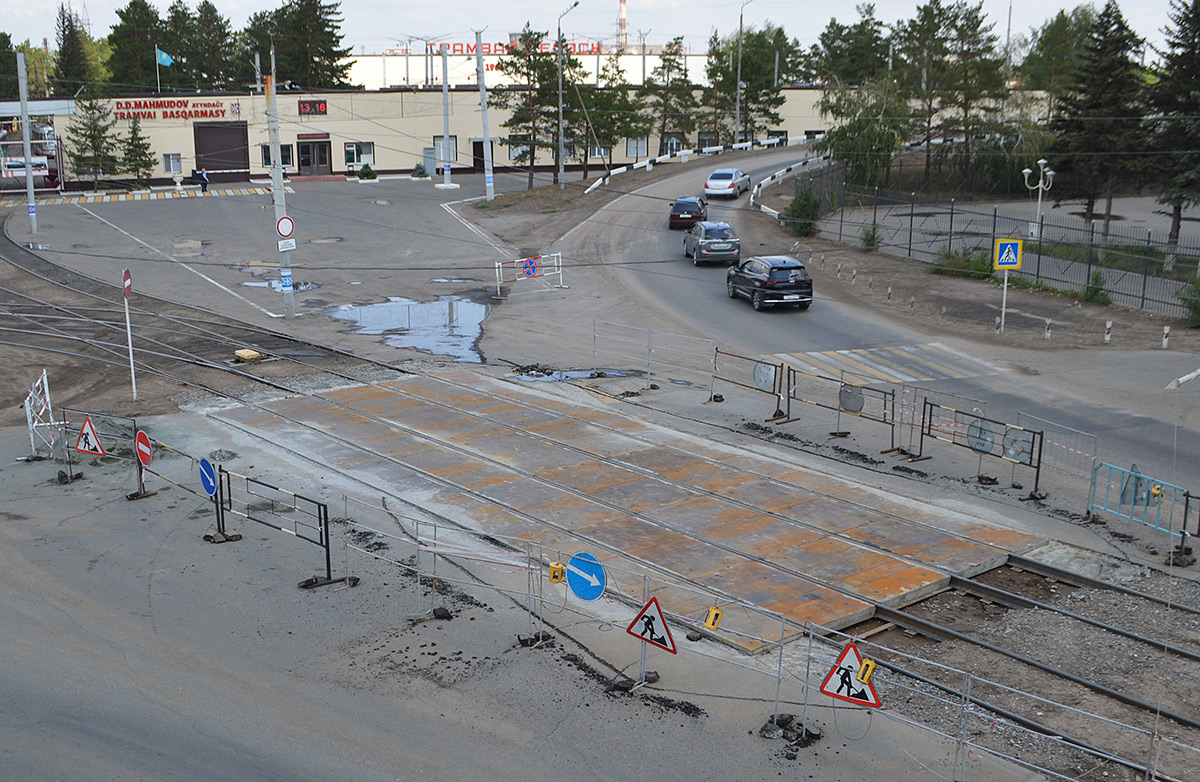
973	263
1094	292
366	172
419	171
870	238
1190	295
803	212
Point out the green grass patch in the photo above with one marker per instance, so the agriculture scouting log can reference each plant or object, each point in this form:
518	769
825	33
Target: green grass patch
975	264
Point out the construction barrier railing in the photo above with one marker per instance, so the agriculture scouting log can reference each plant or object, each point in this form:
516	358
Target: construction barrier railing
986	437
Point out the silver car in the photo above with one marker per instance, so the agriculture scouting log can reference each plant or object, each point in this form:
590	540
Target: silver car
727	182
712	241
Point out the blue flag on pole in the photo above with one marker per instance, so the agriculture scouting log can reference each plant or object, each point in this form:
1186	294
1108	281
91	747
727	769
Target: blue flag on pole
162	57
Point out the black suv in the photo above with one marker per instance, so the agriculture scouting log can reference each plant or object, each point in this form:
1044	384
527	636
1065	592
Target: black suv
770	280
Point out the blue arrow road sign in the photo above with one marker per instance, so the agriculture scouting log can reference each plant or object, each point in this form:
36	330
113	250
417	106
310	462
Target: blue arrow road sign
208	477
585	576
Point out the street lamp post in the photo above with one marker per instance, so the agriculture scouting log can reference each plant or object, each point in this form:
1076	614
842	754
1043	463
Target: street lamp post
1045	180
737	105
558	171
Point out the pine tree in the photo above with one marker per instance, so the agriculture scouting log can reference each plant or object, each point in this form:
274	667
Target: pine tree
71	68
92	149
137	158
1102	111
1176	97
534	75
974	82
9	89
311	39
850	54
256	38
133	39
669	95
923	48
210	52
1054	54
762	95
178	39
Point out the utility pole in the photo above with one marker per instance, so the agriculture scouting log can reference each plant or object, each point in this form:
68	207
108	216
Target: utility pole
737	111
277	194
23	81
488	179
445	185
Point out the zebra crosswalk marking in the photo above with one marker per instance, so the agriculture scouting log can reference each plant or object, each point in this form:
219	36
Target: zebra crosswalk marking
930	364
858	362
900	364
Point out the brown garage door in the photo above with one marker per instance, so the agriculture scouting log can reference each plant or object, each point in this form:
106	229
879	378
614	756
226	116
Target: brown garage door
223	149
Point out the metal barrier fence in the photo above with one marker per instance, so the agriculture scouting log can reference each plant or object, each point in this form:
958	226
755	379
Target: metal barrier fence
661	351
910	420
1065	449
268	505
984	717
528	269
39	416
1016	445
115	438
853	395
755	374
1141	498
1135	268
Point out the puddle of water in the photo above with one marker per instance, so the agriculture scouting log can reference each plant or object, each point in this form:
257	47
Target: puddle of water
451	279
449	326
277	286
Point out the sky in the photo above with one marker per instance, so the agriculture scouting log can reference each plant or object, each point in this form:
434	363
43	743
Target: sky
370	26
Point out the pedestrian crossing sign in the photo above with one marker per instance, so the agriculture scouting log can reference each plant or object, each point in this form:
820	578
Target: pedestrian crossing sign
1008	254
850	679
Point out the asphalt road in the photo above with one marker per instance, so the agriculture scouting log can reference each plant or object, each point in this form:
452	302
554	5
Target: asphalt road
1116	394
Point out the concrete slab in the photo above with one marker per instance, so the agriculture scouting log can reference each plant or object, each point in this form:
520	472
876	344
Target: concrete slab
566	475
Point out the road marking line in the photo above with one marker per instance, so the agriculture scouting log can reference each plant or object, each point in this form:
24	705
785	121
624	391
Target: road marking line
199	274
992	368
940	365
856	359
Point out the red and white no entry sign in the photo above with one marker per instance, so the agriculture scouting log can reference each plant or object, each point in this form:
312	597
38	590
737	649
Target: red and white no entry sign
284	226
144	454
127	282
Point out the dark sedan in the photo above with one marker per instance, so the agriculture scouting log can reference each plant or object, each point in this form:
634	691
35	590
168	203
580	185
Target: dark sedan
686	212
770	280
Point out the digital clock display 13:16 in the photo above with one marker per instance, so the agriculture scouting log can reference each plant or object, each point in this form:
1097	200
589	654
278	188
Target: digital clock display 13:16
313	106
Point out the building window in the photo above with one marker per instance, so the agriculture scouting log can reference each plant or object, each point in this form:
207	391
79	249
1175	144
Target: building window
672	142
285	155
706	138
172	163
360	153
517	149
637	147
603	153
450	155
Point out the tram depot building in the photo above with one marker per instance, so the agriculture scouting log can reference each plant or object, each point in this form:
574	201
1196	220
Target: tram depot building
336	133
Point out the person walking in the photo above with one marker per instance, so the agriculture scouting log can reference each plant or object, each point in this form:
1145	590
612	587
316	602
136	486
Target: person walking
203	180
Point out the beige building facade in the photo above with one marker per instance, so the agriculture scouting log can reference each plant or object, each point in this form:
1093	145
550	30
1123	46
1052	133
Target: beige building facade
337	133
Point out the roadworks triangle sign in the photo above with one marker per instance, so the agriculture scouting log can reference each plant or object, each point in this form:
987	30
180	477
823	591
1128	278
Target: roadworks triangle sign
88	442
651	627
843	683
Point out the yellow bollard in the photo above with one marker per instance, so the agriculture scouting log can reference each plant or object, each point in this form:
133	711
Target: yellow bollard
557	573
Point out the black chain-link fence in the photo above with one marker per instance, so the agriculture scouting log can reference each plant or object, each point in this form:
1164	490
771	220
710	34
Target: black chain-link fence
1132	268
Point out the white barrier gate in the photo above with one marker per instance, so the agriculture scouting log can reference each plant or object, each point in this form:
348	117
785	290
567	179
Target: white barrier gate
528	269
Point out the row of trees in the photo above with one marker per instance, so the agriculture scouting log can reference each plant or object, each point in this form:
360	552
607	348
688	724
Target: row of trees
207	53
668	105
1108	122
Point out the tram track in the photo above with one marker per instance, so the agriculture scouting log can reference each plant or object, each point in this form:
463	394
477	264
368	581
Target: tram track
180	349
